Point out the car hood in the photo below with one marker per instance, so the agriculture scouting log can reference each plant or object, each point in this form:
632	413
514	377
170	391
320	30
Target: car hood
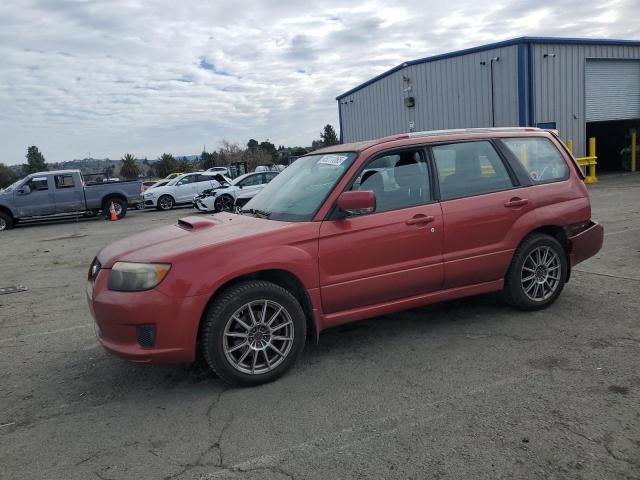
168	244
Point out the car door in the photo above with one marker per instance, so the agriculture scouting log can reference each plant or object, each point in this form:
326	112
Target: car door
394	252
40	199
185	188
251	185
68	195
482	202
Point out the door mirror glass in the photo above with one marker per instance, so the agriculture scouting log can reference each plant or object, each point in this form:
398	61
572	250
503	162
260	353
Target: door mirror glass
25	190
358	202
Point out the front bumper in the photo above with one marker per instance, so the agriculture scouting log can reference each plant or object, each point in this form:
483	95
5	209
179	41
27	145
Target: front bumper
119	317
586	244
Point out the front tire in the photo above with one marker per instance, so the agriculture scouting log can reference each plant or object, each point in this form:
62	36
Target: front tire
253	333
6	222
537	273
224	203
166	203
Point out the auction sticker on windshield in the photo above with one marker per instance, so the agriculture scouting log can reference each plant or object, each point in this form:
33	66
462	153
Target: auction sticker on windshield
332	159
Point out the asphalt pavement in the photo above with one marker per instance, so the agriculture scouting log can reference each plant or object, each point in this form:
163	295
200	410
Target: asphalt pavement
460	390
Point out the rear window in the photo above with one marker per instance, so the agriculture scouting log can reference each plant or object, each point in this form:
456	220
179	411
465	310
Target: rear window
540	158
64	181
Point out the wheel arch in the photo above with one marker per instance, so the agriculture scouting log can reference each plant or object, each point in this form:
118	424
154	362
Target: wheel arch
110	196
557	232
8	211
281	277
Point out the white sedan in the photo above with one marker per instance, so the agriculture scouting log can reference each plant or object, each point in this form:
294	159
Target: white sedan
223	198
182	189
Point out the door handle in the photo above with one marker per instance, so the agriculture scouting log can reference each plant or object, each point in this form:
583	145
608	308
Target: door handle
420	219
516	202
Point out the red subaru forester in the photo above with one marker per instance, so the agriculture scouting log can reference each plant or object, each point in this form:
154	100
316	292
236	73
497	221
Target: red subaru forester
345	233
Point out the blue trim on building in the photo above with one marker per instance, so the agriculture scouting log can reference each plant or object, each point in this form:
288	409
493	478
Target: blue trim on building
522	101
490	46
532	87
340	122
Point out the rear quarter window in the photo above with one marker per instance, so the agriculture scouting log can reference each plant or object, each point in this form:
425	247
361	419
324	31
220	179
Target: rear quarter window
540	158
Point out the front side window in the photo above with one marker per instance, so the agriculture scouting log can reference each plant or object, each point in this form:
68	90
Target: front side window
469	168
64	181
251	180
398	180
539	157
37	183
186	180
296	194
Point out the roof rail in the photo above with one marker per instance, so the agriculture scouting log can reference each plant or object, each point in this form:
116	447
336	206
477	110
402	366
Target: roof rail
454	131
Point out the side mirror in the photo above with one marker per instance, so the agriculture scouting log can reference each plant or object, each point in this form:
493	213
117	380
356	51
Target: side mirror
25	190
357	202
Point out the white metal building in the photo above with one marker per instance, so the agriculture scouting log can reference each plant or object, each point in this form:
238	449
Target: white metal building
582	87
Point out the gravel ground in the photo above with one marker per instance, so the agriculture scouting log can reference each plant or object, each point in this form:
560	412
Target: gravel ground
465	389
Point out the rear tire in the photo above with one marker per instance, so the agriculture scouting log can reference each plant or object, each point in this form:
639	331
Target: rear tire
537	273
252	333
119	205
6	221
165	203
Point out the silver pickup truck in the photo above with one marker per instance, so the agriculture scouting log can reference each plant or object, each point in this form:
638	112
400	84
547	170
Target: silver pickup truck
64	192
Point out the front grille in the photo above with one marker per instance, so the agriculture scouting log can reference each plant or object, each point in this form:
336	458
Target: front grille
146	335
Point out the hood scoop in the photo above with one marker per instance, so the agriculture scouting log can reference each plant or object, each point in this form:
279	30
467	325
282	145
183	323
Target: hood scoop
196	223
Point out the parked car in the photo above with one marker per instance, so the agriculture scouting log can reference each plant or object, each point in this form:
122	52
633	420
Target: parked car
171	176
182	189
459	213
148	183
63	192
270	168
223	198
221	170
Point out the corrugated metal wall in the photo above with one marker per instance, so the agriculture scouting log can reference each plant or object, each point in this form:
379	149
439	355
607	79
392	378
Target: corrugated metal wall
455	92
560	85
449	93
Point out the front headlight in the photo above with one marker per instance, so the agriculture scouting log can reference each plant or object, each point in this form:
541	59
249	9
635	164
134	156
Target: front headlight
135	277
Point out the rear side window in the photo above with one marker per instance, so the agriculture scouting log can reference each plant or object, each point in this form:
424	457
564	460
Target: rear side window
469	168
252	180
540	158
64	181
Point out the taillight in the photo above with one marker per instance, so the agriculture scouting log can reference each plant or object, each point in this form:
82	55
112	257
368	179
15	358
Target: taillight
577	228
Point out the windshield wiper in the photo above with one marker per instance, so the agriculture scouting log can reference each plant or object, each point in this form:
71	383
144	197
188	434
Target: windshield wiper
256	212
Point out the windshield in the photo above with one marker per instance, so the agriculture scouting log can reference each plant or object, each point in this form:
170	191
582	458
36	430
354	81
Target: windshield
12	186
296	194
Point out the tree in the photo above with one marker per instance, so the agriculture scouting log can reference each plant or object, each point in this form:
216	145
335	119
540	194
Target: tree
7	176
253	145
35	160
269	148
208	159
184	165
129	168
329	136
166	165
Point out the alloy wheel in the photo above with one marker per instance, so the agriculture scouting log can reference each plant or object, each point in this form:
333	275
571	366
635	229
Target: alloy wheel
258	337
541	271
224	203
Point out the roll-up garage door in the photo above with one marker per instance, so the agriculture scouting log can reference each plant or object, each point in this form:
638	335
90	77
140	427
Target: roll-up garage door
612	90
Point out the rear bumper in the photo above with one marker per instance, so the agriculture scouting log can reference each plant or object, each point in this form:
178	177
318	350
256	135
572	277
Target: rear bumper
586	244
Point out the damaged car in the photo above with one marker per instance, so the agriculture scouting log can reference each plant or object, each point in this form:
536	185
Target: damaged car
223	197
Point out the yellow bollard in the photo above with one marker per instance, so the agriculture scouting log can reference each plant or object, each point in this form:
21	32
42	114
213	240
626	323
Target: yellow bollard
591	177
633	150
570	145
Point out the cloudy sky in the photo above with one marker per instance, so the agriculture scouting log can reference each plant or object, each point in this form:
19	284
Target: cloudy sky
102	78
